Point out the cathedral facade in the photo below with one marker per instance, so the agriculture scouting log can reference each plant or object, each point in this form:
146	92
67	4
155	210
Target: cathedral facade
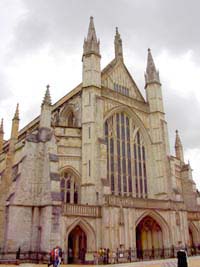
94	169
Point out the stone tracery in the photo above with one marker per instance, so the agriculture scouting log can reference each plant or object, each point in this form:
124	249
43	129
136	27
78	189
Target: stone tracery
126	157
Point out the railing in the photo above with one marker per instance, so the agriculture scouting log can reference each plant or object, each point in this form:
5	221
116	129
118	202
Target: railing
82	210
132	255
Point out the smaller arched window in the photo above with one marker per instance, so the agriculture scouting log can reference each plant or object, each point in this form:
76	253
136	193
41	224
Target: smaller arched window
69	188
67	117
71	119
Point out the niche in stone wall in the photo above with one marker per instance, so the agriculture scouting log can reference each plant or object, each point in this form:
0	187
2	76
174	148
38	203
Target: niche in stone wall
67	116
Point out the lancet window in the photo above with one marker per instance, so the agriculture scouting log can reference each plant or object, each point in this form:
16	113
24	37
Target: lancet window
126	157
67	117
121	89
140	166
69	188
71	119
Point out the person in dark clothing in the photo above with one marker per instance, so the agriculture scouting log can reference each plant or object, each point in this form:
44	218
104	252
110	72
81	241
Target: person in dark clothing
117	255
107	255
18	253
129	254
104	256
182	258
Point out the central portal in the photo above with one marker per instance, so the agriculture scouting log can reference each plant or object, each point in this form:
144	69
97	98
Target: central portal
77	245
149	239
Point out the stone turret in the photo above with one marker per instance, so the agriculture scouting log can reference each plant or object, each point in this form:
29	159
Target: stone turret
158	126
92	117
91	58
45	117
118	46
1	136
179	147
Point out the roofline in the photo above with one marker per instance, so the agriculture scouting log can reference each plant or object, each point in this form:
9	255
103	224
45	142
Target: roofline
60	102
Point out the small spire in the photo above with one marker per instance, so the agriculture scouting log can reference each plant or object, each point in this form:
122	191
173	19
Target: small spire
118	45
178	140
16	116
1	127
47	97
15	124
179	147
91	45
91	31
152	75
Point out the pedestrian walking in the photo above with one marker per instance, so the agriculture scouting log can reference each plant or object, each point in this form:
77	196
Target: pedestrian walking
51	258
182	258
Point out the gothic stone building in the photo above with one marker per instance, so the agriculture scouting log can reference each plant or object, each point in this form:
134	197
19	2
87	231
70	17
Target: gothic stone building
94	169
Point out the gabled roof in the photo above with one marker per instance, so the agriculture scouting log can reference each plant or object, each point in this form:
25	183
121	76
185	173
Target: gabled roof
111	66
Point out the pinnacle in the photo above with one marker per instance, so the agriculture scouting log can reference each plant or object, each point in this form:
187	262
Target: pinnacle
150	62
152	75
118	45
117	32
47	97
91	45
178	140
16	116
91	31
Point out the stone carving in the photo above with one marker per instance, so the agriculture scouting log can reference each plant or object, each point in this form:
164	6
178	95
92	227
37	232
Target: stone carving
44	134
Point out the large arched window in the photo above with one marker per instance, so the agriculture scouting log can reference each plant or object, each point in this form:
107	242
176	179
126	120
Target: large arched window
69	188
126	158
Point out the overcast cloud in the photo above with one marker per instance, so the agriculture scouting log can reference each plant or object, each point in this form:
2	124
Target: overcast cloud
41	43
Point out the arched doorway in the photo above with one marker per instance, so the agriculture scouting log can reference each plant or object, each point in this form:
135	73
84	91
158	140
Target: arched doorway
77	245
149	239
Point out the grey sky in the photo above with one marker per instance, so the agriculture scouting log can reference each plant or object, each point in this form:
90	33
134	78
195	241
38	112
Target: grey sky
41	42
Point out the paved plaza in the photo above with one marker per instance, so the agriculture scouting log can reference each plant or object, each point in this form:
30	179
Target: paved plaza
192	262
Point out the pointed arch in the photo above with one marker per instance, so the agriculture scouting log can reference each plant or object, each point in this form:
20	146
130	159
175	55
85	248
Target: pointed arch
70	185
167	237
132	115
67	116
87	228
71	169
